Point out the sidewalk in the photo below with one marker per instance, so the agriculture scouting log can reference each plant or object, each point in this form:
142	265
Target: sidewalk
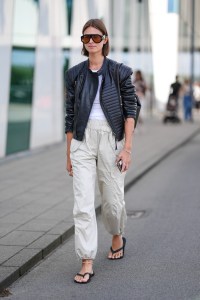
36	198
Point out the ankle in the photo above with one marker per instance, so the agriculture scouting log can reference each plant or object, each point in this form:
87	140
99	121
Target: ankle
87	264
117	241
117	237
87	261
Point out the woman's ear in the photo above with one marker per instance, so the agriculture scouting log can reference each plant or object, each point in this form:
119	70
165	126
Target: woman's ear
105	40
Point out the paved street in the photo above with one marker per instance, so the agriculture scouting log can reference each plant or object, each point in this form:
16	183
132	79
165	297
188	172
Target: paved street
36	195
162	254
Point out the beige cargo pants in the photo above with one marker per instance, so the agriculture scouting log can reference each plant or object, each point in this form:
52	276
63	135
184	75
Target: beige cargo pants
96	155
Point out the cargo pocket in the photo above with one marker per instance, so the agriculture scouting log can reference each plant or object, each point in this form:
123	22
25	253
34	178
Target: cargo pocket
119	146
74	145
116	146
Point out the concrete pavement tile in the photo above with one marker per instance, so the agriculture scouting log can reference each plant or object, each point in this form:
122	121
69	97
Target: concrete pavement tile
5	210
62	194
47	243
39	204
25	259
5	228
18	218
45	188
20	238
61	228
8	251
33	195
43	241
62	205
38	199
69	219
61	183
5	197
54	214
34	210
4	183
18	201
15	191
38	225
8	275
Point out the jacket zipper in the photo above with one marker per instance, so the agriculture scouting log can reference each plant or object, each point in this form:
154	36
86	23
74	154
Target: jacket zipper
77	85
105	113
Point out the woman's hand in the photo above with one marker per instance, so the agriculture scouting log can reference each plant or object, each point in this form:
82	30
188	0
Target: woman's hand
69	166
69	137
125	156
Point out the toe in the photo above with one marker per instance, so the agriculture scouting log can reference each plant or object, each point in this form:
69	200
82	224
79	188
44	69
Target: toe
110	255
85	278
120	254
78	278
117	255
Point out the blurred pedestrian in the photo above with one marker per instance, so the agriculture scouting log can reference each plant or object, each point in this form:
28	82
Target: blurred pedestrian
99	140
172	105
141	88
187	100
175	89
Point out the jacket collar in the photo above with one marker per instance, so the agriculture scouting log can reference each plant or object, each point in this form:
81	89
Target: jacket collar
103	67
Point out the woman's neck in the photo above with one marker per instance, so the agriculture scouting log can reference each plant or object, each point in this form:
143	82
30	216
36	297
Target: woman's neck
95	62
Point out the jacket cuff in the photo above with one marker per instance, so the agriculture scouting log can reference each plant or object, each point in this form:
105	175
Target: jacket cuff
68	129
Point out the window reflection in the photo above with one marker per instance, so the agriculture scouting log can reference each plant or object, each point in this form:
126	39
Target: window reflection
69	4
25	23
19	114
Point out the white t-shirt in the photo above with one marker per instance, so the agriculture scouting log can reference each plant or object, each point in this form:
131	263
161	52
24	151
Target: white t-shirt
97	112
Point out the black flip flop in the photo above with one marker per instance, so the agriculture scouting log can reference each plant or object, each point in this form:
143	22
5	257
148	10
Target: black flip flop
83	275
115	251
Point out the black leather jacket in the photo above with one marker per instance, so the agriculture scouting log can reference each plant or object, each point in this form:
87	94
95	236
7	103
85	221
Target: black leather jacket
81	89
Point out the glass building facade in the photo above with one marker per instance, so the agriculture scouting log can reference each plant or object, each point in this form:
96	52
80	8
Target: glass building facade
40	39
189	39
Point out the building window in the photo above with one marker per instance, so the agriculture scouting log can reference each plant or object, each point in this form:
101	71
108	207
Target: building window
69	4
173	6
21	89
25	23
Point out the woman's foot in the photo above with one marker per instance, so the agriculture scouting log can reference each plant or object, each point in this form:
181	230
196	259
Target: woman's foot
86	272
117	243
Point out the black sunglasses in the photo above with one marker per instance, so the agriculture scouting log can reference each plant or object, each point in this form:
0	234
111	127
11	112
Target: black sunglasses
97	38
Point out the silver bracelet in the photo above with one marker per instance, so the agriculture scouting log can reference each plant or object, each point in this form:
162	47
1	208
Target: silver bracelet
129	152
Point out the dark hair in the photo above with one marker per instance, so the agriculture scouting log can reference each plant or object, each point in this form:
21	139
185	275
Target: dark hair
98	24
139	73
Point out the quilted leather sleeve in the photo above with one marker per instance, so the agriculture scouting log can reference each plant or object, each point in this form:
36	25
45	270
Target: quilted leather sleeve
71	77
69	101
128	92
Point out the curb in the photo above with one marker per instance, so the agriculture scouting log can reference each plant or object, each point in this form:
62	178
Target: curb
30	263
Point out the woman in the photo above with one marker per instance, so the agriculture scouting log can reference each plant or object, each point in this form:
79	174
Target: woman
99	135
